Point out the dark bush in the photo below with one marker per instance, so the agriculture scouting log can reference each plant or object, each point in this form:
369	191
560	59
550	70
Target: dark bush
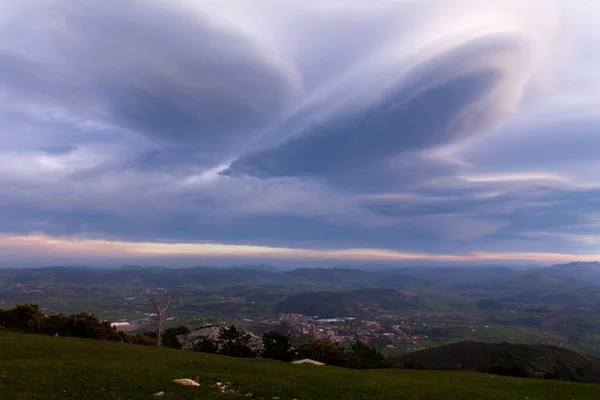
28	318
277	346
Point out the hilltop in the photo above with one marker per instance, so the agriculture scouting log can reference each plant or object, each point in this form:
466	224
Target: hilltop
44	367
532	361
335	304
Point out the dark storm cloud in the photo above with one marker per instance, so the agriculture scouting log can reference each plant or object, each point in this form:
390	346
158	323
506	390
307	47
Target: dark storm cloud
436	104
350	124
149	68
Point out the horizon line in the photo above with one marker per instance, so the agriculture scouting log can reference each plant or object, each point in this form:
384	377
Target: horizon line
44	245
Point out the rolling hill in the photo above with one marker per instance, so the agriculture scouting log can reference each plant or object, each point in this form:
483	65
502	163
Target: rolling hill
531	361
48	368
588	272
348	303
539	287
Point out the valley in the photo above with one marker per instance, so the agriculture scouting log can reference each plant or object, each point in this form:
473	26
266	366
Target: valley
396	310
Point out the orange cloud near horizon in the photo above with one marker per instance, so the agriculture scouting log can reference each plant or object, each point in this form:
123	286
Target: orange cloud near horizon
100	248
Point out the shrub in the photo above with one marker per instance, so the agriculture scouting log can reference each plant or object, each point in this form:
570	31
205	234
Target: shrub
277	346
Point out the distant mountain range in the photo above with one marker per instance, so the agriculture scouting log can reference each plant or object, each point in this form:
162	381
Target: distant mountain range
584	271
414	277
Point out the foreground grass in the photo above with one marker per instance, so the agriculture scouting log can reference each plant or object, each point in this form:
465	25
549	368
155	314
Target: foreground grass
41	367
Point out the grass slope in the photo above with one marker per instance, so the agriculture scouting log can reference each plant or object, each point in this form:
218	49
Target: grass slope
40	367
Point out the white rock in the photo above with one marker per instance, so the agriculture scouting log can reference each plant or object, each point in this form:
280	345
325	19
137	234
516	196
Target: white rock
211	332
186	382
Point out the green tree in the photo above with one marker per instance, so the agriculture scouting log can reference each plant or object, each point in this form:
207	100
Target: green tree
323	350
139	338
207	346
85	325
364	357
24	317
28	318
277	346
58	324
170	336
235	342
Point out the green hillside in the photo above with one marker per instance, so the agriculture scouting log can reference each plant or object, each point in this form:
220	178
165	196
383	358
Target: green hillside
43	367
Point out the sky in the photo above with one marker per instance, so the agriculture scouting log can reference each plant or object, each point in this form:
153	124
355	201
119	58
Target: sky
390	131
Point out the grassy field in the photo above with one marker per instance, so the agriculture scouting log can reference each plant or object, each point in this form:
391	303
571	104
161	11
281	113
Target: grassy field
41	367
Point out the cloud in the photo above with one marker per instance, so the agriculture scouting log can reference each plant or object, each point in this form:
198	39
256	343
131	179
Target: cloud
445	99
377	129
57	150
551	147
145	67
97	249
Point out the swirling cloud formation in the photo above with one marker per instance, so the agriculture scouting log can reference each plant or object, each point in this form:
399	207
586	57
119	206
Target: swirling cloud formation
392	130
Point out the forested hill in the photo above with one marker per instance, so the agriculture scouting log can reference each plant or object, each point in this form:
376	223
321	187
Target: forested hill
532	361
